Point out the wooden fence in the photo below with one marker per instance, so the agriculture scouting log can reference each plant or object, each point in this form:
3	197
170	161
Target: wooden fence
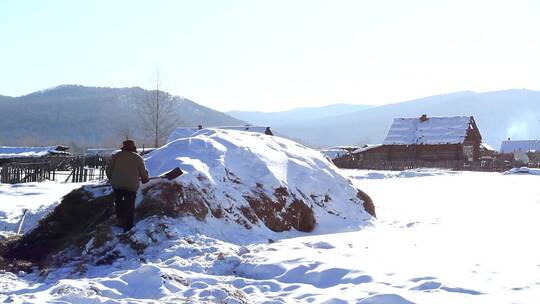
82	173
65	169
25	173
347	162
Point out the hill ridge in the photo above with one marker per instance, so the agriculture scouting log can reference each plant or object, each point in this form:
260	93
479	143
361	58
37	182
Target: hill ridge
78	115
499	114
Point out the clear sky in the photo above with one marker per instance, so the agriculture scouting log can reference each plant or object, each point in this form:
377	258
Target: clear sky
272	55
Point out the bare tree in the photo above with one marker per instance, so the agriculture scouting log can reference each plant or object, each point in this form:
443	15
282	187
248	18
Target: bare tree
126	131
158	115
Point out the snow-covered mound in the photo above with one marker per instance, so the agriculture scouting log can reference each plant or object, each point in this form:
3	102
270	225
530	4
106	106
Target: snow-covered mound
238	187
254	180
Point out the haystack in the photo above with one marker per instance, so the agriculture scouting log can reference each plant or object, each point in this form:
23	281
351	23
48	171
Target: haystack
249	180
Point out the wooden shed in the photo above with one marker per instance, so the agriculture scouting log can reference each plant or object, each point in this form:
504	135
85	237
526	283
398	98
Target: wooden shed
427	139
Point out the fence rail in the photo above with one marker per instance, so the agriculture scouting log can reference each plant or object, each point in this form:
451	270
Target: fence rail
81	169
25	173
457	165
81	174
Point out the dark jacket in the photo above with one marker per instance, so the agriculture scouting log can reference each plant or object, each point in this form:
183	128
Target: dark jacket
125	170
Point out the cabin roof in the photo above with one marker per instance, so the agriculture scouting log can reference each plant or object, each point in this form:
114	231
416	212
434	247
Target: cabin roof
25	152
487	147
429	130
511	146
333	152
366	148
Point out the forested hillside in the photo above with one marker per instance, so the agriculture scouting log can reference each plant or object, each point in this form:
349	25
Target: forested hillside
90	116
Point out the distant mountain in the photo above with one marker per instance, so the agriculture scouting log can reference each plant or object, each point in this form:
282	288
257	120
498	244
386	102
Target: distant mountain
299	115
89	116
500	114
5	98
99	117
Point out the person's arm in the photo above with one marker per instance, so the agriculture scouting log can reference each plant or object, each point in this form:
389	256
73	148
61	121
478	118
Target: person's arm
143	172
110	167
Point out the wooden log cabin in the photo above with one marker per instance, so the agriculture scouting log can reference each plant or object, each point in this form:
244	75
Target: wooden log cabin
427	139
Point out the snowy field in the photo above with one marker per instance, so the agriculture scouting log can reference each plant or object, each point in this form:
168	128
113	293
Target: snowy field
441	237
37	198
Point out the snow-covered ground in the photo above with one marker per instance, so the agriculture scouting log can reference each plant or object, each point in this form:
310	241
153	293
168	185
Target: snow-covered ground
37	198
441	237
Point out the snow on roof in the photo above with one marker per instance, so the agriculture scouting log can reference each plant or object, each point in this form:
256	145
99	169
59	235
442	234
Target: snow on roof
511	146
366	148
20	152
487	147
347	148
433	131
333	152
185	132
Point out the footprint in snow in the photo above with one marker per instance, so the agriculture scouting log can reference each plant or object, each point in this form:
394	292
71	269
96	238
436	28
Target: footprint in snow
385	299
461	290
411	224
418	279
429	286
319	245
308	274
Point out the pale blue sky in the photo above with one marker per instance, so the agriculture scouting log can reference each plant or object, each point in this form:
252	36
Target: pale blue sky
272	55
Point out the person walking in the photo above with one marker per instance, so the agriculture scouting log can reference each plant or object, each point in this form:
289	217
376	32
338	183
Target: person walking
125	171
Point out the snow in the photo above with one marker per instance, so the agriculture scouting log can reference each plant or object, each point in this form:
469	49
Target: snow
523	170
422	172
333	153
511	146
256	129
366	148
487	147
185	132
18	152
229	164
441	237
37	198
435	130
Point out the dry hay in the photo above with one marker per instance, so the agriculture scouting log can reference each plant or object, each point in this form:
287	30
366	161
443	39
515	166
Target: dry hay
368	202
71	224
